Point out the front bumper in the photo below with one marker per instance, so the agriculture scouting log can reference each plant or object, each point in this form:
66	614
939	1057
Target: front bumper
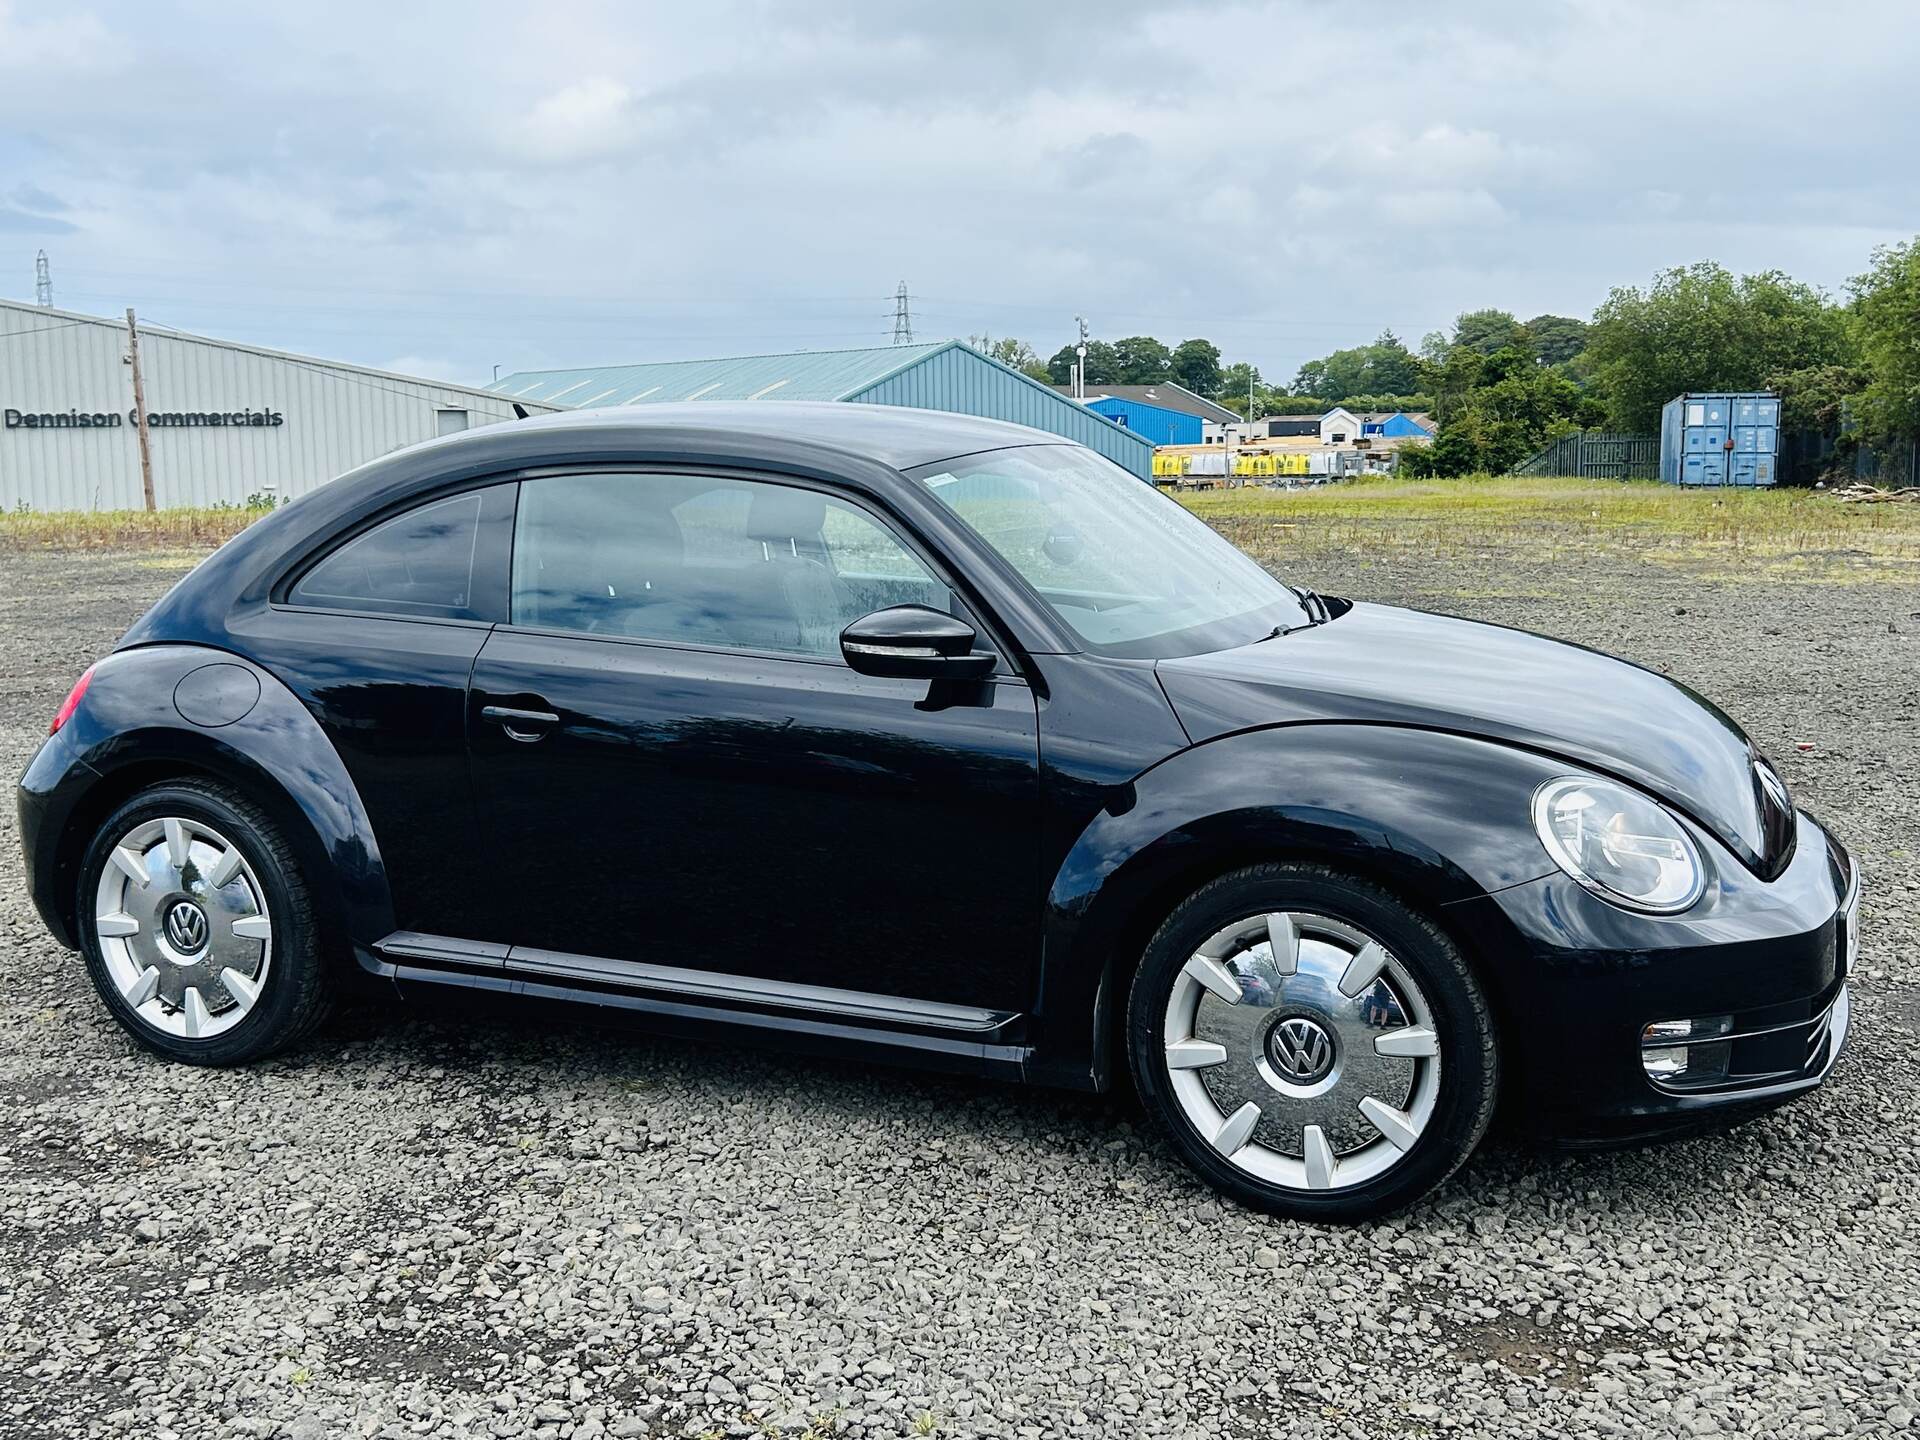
1760	966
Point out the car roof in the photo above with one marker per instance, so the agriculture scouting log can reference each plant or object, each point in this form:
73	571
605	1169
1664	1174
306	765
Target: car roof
891	434
862	446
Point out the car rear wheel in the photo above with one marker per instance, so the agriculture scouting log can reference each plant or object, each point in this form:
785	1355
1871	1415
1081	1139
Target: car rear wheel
198	929
1311	1045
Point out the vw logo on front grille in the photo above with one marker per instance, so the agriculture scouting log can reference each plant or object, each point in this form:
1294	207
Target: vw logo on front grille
1300	1049
186	926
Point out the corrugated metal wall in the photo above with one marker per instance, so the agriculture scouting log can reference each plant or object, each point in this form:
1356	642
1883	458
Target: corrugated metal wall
1157	423
959	380
335	417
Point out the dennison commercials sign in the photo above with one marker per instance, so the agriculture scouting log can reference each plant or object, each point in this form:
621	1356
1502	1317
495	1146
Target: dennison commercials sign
156	420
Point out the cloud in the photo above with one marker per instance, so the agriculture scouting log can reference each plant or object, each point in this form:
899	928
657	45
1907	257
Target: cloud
33	44
590	117
367	180
20	222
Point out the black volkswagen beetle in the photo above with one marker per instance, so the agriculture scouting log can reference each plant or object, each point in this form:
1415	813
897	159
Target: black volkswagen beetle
912	736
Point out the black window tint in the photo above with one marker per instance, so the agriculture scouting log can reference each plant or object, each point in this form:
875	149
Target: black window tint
706	561
421	563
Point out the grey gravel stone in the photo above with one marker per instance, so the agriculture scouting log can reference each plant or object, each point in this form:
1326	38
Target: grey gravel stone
452	1227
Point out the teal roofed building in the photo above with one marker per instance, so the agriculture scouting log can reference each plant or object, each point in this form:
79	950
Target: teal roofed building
949	375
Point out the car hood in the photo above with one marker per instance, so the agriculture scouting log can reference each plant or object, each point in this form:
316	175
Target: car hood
1376	664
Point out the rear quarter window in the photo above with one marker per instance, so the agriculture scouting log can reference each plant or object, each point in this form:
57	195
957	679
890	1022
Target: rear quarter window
434	562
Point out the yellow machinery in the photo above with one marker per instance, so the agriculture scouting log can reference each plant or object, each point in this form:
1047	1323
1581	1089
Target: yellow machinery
1170	467
1255	465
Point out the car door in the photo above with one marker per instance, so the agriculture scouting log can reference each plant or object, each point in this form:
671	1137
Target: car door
677	768
377	635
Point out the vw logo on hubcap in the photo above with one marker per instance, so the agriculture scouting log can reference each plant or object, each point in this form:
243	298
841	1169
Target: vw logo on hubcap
186	926
1300	1050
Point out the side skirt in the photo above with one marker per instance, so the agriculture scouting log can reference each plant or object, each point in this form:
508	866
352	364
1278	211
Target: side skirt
703	1004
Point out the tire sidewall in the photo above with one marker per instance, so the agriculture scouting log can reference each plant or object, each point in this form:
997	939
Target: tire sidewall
272	1014
1469	1065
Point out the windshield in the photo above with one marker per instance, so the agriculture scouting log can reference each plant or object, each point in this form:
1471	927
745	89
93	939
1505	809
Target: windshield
1131	572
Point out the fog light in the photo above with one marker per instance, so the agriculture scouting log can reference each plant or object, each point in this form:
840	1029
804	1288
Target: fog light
1700	1059
1665	1064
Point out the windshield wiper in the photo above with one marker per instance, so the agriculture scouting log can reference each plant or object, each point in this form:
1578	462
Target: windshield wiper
1317	613
1316	608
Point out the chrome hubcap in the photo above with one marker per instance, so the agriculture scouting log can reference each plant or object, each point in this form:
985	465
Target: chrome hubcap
1302	1050
182	924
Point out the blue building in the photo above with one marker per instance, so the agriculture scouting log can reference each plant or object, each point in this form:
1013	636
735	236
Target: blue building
1156	422
948	375
1399	425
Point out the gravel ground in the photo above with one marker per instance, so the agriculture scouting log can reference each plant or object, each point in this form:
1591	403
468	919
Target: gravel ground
463	1228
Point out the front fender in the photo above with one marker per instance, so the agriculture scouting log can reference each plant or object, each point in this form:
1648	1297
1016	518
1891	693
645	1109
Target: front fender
158	712
1436	817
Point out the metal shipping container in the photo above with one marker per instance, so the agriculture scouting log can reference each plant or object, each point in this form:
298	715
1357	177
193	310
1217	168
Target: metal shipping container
1723	439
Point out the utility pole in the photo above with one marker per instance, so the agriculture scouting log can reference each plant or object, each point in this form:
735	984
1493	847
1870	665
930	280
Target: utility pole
902	317
1080	370
140	411
42	281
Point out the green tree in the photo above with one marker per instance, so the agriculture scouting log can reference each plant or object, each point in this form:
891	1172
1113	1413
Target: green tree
1016	354
1196	365
1495	410
1235	382
1555	339
1819	398
1487	331
1698	328
1385	367
1141	360
1103	367
1886	332
1392	369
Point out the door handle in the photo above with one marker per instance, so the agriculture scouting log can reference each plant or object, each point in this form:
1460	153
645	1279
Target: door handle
526	726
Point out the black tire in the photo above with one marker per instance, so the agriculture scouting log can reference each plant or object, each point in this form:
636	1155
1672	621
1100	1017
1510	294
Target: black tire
296	994
1469	1069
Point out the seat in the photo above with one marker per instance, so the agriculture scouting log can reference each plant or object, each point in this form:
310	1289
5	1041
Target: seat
790	597
637	558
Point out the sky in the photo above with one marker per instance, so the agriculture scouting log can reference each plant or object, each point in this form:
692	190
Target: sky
440	190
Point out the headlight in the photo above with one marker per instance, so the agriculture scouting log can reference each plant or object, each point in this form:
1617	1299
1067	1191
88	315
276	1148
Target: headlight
1619	844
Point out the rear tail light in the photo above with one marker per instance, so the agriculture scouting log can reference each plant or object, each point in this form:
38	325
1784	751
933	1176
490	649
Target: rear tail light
72	702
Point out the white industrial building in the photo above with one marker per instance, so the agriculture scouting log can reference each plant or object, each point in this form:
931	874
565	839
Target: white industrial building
224	421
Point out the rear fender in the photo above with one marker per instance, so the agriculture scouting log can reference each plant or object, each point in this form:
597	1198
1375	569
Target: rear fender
162	712
1437	818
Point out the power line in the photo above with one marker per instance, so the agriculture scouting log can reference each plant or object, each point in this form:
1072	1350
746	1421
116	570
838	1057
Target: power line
43	329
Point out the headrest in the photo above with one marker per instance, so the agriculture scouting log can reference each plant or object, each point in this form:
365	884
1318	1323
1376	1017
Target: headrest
780	513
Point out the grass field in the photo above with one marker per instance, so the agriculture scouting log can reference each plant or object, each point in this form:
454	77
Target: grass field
122	529
1735	534
1744	534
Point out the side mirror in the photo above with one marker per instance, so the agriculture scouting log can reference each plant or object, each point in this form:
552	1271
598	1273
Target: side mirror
913	642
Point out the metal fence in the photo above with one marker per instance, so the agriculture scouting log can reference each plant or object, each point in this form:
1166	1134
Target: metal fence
1597	455
1808	457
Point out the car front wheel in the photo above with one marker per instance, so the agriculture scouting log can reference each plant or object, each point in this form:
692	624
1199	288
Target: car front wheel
1311	1045
197	926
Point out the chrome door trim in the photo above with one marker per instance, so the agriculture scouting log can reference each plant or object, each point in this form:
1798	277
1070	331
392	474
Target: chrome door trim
697	985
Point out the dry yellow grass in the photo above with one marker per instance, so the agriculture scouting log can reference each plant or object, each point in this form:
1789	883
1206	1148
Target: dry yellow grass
1798	534
122	529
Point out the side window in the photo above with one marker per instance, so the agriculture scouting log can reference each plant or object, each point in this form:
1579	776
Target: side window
706	561
421	563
